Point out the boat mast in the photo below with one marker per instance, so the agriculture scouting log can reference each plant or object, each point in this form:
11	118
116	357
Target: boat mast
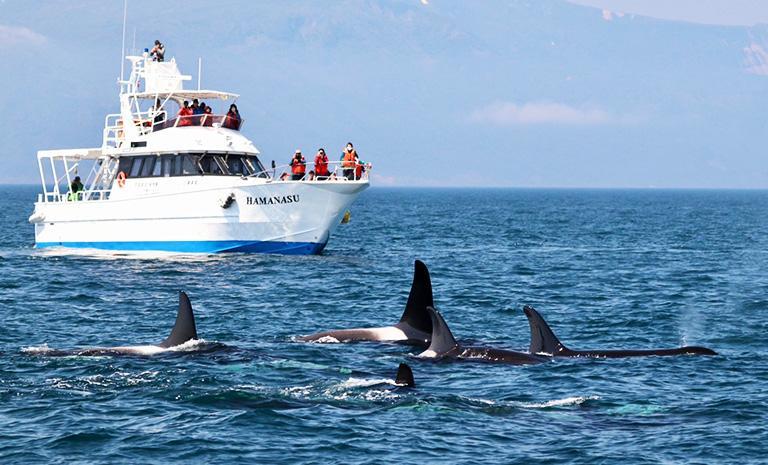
122	50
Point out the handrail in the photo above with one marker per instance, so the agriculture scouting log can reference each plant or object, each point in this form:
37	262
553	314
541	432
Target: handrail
204	119
337	173
336	169
145	122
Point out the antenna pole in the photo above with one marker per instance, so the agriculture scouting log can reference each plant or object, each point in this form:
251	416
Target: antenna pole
122	51
199	70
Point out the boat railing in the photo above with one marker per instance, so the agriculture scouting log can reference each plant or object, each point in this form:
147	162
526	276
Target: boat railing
86	195
206	120
114	127
337	171
151	121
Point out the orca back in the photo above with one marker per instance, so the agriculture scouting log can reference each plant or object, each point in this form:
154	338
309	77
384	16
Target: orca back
543	340
184	330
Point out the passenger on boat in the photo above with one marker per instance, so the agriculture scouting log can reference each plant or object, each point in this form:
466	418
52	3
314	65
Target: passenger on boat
195	111
298	166
208	116
158	51
185	115
198	112
349	161
74	187
232	120
321	165
311	175
284	176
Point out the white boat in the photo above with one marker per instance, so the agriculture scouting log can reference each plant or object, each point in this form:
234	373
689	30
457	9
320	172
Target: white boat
183	183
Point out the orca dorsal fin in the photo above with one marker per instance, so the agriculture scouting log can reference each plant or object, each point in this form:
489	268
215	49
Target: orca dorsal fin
443	341
184	330
420	297
404	376
543	339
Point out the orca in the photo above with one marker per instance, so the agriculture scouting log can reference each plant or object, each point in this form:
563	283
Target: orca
404	377
414	327
184	330
444	346
544	341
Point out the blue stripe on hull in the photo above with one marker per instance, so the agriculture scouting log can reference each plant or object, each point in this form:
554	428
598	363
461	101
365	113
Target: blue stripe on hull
286	248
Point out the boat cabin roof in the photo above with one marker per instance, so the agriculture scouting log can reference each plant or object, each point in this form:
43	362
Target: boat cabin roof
72	154
181	95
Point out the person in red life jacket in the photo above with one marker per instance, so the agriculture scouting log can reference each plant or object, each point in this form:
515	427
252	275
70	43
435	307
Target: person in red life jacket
321	165
349	162
298	166
185	115
207	115
232	120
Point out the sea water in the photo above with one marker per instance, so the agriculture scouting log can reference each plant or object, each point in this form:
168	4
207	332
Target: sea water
607	268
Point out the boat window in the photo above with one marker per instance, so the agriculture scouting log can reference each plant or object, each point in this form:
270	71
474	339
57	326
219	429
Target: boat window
169	161
147	167
213	164
189	164
158	169
236	166
136	167
254	165
124	165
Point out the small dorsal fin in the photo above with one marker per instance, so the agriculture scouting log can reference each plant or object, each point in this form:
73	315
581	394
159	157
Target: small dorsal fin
443	341
184	330
404	376
543	339
420	297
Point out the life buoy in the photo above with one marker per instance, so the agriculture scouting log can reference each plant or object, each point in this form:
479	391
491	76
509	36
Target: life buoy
121	179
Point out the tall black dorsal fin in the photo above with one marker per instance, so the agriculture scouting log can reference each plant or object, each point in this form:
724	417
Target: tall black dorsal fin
184	330
443	341
415	314
543	339
404	376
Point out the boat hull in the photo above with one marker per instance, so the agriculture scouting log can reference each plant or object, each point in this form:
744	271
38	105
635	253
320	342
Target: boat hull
186	215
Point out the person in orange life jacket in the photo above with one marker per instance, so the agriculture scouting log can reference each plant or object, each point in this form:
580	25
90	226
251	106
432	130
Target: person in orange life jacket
185	115
232	120
298	166
349	160
321	165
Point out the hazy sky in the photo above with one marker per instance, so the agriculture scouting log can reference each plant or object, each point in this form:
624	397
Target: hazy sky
582	93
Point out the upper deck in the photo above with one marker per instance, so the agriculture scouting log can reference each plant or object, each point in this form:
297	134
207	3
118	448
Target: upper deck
150	100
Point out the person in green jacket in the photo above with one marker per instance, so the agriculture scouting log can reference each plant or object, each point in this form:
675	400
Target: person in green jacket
75	187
